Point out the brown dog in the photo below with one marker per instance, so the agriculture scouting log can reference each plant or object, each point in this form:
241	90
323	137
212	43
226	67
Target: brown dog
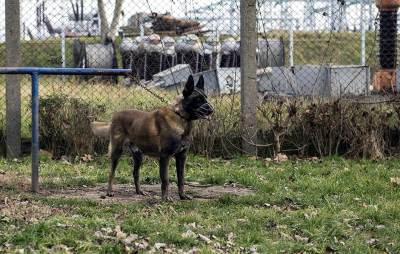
161	133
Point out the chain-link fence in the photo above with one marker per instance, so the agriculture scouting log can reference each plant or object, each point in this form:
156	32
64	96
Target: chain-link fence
306	48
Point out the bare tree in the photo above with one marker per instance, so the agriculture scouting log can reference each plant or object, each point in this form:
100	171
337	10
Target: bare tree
106	29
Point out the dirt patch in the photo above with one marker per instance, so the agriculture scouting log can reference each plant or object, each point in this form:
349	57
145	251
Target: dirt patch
126	193
21	208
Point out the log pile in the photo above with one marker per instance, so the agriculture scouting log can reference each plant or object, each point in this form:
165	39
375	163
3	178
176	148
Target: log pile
163	24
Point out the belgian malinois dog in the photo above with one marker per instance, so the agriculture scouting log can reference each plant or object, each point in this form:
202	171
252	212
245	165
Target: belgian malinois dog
161	133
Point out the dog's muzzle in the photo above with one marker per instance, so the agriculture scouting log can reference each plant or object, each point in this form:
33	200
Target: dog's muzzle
205	111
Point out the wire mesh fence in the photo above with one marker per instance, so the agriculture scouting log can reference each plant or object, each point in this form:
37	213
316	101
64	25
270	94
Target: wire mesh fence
306	48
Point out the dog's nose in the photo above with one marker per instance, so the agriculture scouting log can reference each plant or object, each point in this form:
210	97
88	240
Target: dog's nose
209	109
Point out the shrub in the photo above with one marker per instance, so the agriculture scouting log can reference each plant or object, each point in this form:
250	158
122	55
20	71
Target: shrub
65	125
300	127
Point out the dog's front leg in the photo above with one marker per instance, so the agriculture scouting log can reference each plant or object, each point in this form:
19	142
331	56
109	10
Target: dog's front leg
180	172
137	163
164	161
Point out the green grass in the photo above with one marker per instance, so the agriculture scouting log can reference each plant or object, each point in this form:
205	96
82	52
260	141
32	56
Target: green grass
314	207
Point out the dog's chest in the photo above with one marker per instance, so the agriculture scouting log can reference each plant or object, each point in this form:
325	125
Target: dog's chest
177	141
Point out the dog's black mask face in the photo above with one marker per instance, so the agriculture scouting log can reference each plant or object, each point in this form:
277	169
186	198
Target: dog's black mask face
194	101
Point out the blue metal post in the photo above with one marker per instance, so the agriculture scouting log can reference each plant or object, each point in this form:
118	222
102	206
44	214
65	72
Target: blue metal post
35	131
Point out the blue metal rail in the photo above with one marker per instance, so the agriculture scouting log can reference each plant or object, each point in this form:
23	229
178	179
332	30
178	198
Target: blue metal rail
35	72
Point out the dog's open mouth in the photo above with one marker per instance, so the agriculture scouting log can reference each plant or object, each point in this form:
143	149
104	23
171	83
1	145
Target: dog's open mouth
206	111
205	116
208	117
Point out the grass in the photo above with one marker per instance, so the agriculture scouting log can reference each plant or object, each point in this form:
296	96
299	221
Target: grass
333	205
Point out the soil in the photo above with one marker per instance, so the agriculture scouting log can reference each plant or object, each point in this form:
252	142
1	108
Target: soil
126	193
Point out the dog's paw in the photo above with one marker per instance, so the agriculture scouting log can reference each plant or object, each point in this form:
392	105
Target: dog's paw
185	197
167	199
142	193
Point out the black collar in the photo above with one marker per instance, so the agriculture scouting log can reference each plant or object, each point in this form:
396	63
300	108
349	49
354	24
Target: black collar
181	116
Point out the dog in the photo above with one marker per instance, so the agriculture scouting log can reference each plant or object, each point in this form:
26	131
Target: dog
162	133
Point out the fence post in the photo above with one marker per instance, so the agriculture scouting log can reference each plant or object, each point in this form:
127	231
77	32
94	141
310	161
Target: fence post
248	68
13	89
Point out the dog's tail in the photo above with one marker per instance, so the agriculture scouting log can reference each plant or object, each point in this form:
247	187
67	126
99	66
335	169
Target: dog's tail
101	129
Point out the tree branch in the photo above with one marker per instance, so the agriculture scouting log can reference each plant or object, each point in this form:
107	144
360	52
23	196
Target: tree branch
103	19
115	20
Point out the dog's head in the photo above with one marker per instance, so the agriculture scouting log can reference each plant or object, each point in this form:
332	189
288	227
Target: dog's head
194	102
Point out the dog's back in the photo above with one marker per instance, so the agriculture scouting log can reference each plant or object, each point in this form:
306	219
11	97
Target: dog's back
140	129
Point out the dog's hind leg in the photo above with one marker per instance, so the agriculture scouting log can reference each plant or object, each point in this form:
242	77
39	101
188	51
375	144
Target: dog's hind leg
137	157
115	152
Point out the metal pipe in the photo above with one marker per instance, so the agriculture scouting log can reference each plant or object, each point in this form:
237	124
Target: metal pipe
362	28
63	71
291	45
63	61
35	131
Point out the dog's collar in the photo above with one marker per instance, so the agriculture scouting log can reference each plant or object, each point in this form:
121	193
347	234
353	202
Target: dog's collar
181	116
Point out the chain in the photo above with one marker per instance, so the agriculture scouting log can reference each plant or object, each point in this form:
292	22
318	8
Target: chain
132	77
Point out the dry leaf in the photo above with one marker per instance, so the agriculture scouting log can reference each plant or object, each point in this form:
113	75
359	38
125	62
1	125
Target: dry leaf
395	181
280	157
372	241
204	238
301	239
160	245
119	234
87	158
253	250
188	234
130	239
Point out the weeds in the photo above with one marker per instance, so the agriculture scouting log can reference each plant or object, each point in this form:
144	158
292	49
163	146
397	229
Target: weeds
300	127
65	125
295	126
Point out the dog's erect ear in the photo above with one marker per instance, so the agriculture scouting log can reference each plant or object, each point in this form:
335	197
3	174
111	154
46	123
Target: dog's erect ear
189	87
200	83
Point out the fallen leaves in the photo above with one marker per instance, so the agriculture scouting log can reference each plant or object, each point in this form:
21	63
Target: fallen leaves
280	157
217	244
119	234
87	158
131	241
21	208
189	234
372	241
301	238
395	181
204	238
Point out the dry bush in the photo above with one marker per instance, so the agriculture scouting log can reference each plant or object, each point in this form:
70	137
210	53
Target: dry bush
65	125
324	128
219	136
299	126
